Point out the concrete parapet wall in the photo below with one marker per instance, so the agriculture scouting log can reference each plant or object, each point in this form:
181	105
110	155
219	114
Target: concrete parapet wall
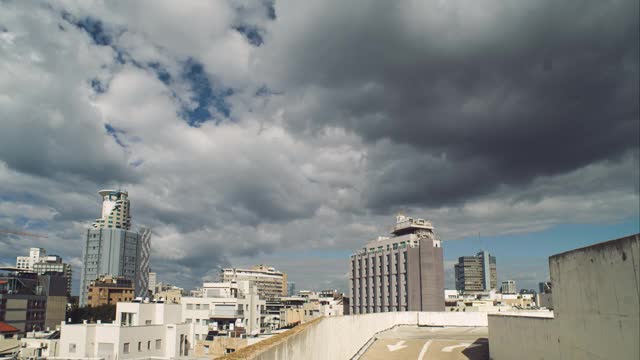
341	337
452	319
596	296
522	337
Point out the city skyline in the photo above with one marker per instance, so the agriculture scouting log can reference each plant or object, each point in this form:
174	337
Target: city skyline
288	133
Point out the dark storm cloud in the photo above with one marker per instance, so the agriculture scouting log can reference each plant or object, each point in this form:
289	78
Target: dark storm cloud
481	93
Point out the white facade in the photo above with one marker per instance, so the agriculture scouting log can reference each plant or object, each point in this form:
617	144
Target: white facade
152	282
222	307
509	287
26	262
115	210
140	331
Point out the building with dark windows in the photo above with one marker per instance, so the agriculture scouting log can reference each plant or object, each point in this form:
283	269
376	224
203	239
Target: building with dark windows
403	272
476	273
29	301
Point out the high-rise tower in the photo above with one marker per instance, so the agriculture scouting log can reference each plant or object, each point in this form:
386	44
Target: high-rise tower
111	248
400	273
476	273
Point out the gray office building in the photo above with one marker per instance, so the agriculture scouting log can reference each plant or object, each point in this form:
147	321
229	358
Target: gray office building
111	248
403	272
476	273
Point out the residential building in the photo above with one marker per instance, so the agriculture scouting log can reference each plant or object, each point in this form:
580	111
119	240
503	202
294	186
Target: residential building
476	273
224	309
140	331
399	273
26	262
112	248
29	301
109	290
53	264
170	294
272	284
509	287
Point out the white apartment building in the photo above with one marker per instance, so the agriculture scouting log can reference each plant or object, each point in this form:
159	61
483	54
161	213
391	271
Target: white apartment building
272	284
152	330
26	262
219	308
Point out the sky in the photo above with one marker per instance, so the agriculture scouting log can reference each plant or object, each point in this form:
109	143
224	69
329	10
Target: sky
290	133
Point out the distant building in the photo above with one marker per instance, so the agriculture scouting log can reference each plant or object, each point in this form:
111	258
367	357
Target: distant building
399	273
152	282
52	264
476	273
41	263
224	309
109	290
140	331
509	287
291	289
544	287
29	301
169	293
26	262
111	248
272	284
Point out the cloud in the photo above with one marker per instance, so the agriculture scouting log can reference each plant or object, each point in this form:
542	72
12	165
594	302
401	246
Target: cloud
244	130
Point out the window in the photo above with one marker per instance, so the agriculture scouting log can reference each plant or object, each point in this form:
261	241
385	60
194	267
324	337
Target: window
188	321
197	306
147	322
158	344
189	306
72	348
139	345
149	345
125	348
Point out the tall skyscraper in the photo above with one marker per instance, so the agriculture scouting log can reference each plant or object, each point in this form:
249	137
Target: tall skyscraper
476	273
112	248
399	273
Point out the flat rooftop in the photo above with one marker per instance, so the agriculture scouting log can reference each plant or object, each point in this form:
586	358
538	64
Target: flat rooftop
407	342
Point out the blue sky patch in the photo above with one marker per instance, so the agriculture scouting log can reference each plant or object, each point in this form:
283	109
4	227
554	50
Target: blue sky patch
114	132
251	33
162	73
204	95
94	28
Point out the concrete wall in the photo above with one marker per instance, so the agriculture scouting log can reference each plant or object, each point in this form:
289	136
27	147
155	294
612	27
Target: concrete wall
596	298
341	337
522	337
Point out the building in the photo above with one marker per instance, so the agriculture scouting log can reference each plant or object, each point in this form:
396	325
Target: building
476	273
596	292
399	273
41	263
544	287
26	262
224	309
29	301
153	282
509	287
109	290
140	331
52	264
170	294
111	248
291	289
271	284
